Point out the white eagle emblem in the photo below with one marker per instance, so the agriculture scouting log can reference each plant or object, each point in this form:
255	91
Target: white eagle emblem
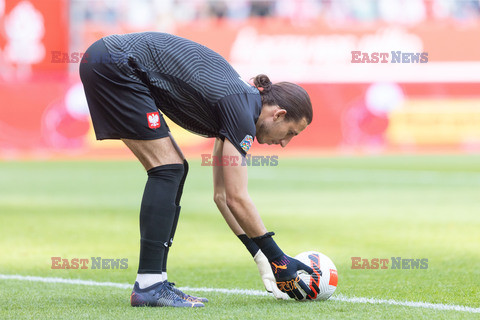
153	120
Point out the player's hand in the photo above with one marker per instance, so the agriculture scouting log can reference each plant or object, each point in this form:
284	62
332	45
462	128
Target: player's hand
267	276
285	269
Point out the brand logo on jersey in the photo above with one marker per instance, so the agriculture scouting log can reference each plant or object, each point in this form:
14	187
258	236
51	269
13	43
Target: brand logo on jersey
246	143
153	120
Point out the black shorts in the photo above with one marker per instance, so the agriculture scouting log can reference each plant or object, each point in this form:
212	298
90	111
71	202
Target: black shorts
120	106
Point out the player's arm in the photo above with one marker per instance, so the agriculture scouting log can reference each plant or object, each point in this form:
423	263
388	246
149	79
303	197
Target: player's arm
220	200
238	201
219	195
236	193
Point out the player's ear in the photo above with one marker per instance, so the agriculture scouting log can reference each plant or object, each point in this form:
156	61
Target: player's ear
279	114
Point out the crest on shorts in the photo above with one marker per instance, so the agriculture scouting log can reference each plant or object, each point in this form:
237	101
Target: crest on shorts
153	120
246	143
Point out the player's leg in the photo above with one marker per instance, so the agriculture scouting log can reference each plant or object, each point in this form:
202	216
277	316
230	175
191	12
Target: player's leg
178	197
159	209
177	215
154	153
157	214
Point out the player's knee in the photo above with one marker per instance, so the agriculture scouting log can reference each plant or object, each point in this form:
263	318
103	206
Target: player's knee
168	173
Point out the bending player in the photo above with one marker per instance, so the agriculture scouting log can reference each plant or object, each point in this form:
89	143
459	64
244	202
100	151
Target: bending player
128	79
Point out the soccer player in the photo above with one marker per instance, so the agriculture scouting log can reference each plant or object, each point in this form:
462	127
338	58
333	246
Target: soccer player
129	81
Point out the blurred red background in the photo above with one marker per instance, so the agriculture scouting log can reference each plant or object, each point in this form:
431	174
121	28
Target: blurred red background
367	107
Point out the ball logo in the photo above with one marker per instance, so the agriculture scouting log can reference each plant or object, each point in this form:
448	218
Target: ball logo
333	277
153	120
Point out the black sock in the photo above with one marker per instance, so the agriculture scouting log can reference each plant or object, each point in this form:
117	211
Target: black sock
172	232
177	214
157	214
249	243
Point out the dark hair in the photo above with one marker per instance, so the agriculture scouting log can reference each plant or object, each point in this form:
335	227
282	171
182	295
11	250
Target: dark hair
289	96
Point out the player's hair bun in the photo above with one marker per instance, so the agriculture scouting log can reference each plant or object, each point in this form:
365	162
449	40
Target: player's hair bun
263	83
288	96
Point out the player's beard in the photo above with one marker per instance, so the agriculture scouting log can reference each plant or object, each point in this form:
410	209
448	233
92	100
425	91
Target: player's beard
261	132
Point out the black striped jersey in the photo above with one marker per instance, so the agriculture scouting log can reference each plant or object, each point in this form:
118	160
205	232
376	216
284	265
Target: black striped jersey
191	84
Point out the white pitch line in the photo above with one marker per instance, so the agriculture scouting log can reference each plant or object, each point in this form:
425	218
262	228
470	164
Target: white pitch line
339	297
426	305
63	280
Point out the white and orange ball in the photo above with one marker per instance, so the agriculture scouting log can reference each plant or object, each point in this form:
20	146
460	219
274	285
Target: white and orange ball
324	275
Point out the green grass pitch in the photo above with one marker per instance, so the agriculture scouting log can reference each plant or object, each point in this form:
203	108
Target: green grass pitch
413	207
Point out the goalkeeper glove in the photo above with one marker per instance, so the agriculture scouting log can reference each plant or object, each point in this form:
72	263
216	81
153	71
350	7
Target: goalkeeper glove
285	269
267	276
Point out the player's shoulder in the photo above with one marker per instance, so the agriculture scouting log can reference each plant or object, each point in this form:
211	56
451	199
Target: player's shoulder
238	114
240	89
245	99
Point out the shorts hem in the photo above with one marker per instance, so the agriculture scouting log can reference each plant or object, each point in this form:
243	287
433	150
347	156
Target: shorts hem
120	137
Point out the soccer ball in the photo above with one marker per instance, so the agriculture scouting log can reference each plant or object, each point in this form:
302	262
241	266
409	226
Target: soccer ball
324	274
